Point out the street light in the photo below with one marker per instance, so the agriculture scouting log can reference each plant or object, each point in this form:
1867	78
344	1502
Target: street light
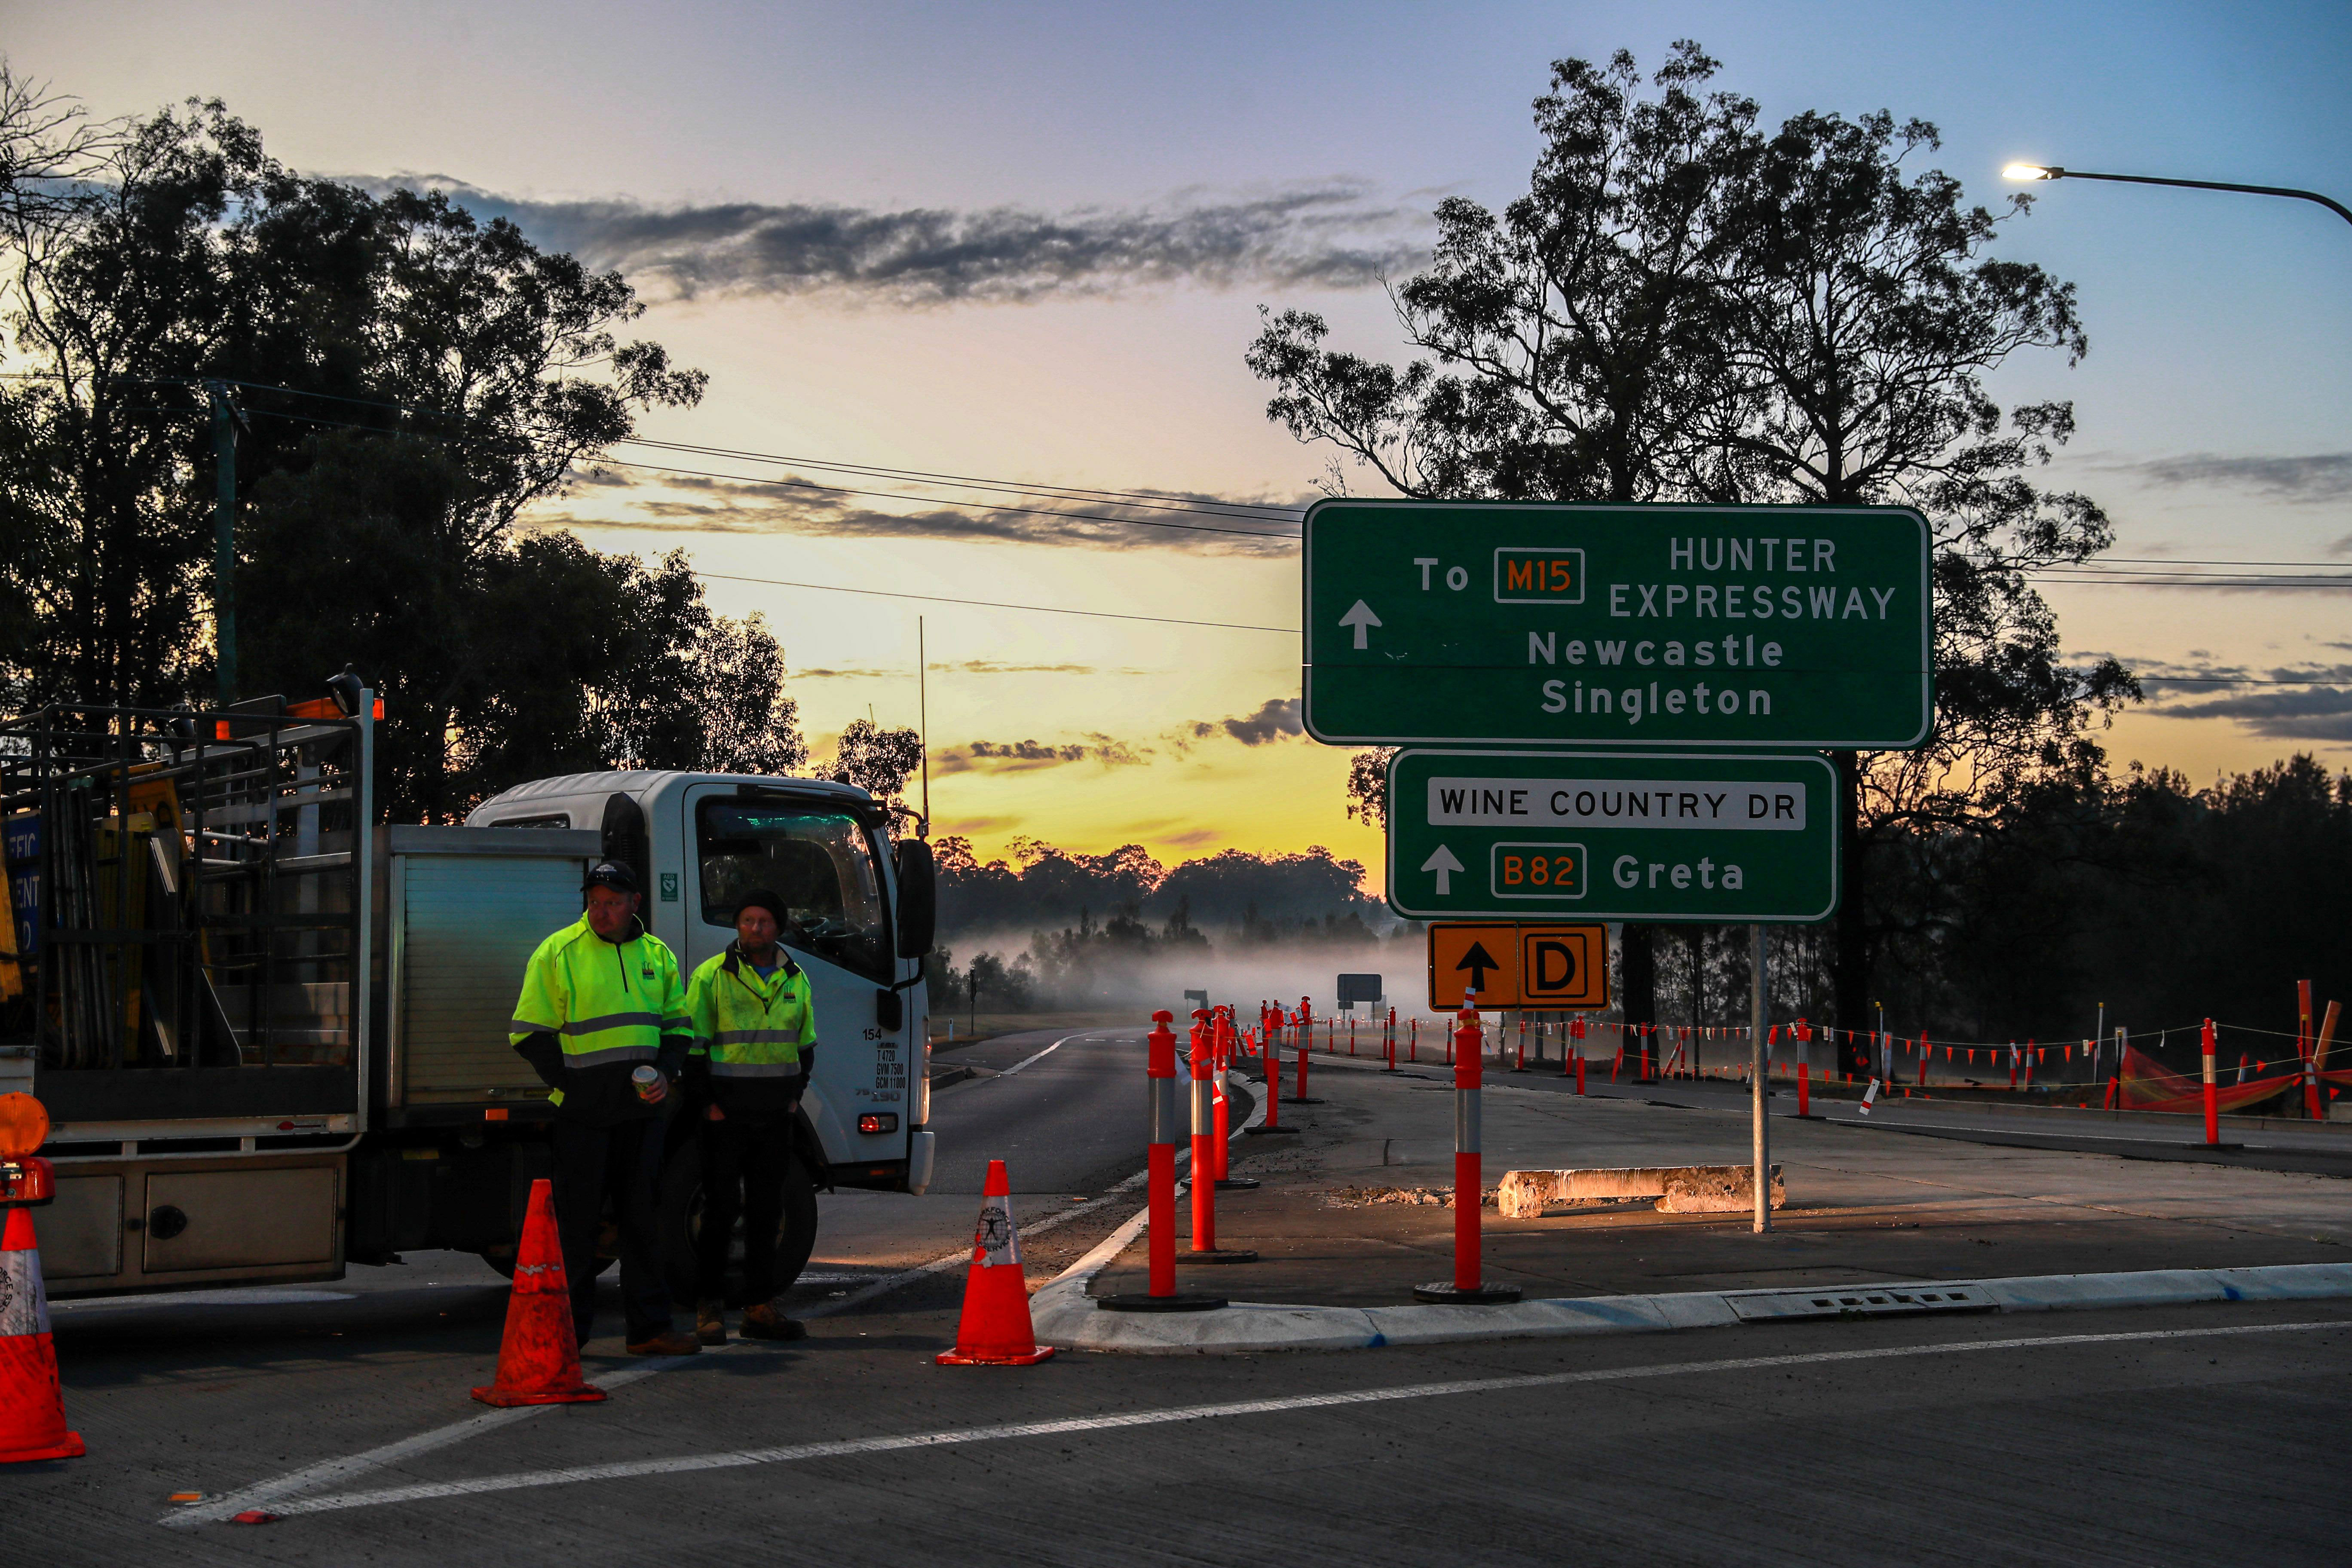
2052	172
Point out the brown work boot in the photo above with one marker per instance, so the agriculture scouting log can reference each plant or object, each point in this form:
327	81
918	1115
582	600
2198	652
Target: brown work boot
764	1323
711	1322
669	1341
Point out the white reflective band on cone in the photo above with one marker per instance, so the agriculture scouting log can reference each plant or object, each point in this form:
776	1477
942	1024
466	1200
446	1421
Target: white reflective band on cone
23	1305
1163	1110
1204	1110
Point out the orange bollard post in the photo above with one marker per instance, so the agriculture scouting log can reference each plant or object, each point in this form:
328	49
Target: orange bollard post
1161	1295
1412	1043
1204	1248
1805	1090
2212	1092
1468	1284
1269	1060
1305	1044
1222	1027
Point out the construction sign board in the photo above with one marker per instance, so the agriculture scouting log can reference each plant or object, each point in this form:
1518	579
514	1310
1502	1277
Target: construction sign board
1740	629
1611	835
1520	965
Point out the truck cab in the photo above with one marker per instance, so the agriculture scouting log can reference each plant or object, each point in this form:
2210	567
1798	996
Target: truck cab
699	842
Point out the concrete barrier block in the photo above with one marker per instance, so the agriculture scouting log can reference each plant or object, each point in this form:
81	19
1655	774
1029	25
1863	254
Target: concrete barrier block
1679	1189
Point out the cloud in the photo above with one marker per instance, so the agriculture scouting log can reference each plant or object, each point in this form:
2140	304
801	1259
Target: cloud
1331	234
969	825
1027	756
2320	477
1192	839
997	667
2287	702
1276	719
850	674
2306	713
785	507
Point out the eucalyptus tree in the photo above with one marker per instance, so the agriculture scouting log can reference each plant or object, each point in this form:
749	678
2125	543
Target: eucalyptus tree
1568	343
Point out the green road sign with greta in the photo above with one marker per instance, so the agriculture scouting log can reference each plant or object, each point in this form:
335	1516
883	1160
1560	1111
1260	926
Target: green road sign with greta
1611	835
1625	626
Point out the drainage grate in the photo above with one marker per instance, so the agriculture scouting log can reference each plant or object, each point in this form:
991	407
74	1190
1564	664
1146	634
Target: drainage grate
1858	1301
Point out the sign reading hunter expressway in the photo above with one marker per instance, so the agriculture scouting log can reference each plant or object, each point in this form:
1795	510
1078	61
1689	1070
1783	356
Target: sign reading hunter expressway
1611	835
1692	628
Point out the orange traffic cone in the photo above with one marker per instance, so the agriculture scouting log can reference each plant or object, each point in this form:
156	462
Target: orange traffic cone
539	1364
32	1408
995	1330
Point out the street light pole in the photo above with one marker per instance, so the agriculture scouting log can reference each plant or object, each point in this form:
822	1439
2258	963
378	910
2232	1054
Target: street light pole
2052	172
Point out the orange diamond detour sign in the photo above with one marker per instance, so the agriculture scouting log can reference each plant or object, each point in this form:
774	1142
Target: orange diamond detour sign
1517	965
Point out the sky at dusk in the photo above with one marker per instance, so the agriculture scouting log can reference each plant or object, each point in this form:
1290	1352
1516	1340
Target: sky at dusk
1029	244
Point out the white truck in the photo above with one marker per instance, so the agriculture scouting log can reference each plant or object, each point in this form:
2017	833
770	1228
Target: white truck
237	1098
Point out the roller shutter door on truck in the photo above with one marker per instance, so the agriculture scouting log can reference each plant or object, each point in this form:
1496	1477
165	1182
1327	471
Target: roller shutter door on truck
470	922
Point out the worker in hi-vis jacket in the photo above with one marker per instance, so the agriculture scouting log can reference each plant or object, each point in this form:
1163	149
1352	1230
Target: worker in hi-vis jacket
754	1047
601	1019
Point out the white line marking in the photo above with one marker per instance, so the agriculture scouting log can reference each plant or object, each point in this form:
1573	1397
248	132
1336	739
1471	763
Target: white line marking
263	1494
790	1453
1040	1056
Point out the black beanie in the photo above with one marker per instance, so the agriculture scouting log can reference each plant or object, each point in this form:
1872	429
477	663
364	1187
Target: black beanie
761	899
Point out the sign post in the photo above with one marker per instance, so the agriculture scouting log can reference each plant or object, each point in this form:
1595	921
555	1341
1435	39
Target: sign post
1612	837
1721	628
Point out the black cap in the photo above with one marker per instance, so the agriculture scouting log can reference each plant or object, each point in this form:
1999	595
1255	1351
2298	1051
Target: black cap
614	874
761	899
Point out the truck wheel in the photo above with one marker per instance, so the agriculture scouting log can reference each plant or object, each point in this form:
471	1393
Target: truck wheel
680	1222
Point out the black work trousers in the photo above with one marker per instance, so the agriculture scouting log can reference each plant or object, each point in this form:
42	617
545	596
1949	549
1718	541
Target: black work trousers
743	1165
624	1162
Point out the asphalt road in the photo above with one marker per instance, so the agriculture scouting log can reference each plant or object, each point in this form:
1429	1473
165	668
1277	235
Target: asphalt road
2180	1434
1065	1113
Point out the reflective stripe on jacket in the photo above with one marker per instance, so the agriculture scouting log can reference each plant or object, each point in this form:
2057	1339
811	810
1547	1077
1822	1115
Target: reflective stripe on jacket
748	1027
607	1004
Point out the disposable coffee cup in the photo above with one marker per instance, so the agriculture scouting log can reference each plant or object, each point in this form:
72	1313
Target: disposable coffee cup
645	1079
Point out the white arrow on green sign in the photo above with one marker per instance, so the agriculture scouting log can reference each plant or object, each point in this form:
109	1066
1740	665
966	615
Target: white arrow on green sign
1611	835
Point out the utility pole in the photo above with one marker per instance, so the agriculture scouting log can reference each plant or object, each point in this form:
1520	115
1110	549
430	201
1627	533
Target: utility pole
224	539
923	716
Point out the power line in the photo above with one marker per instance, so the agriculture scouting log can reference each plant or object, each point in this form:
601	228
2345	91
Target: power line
1252	510
795	484
992	604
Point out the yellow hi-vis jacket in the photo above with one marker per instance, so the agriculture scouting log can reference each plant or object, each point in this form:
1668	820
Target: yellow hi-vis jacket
608	1005
754	1037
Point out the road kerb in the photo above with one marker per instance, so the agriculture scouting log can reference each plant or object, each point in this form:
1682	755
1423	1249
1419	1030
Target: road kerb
1065	1315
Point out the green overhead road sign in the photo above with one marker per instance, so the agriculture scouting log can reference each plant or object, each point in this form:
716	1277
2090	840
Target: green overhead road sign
1745	627
1611	835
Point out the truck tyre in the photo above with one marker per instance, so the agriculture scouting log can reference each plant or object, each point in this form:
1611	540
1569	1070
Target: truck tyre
679	1219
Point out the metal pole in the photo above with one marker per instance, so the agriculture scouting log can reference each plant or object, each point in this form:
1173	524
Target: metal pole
224	542
2338	208
1759	991
923	716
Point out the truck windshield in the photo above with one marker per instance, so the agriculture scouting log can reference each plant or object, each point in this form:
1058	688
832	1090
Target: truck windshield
818	861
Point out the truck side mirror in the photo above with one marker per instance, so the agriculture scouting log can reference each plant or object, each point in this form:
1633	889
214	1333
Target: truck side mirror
889	1011
919	896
